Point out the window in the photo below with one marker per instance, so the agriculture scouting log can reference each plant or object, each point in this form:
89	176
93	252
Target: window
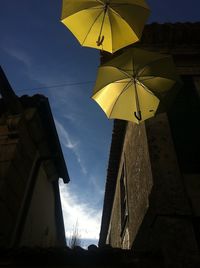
184	118
124	203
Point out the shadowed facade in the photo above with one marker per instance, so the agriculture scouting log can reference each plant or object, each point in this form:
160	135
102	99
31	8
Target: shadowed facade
31	163
152	194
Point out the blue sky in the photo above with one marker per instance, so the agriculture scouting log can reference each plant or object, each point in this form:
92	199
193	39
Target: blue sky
38	51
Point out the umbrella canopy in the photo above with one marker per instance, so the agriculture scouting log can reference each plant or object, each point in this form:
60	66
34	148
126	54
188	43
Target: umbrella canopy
103	24
130	85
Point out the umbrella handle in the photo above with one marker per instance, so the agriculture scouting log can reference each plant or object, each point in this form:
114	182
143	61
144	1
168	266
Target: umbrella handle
138	115
100	41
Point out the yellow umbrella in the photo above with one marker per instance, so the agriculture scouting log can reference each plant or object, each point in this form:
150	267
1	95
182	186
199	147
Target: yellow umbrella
103	24
129	86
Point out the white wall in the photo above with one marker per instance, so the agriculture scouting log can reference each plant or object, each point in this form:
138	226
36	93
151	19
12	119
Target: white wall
40	226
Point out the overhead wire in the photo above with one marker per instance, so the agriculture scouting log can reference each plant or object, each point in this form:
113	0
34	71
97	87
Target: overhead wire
58	85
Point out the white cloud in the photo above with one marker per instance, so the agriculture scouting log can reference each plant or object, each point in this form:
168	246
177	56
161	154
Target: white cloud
19	55
68	142
87	217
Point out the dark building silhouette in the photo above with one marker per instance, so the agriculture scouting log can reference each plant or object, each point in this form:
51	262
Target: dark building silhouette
152	195
31	163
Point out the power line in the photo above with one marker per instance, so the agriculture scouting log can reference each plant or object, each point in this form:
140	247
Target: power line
58	85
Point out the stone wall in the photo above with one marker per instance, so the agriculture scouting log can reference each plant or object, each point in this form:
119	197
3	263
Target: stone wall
135	159
167	228
160	218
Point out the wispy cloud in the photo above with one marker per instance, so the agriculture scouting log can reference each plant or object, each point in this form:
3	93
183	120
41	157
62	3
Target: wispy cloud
88	217
25	62
69	143
40	71
19	55
70	117
94	180
66	140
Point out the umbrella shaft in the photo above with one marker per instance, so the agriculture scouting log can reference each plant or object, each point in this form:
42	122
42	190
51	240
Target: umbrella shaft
100	40
138	112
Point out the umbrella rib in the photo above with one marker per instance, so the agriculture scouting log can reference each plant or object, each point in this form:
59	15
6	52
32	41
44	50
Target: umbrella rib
128	4
154	76
92	26
118	82
124	19
125	73
149	77
151	90
146	88
98	7
111	30
125	88
99	1
134	71
149	63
